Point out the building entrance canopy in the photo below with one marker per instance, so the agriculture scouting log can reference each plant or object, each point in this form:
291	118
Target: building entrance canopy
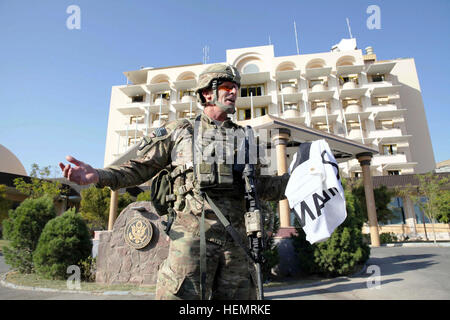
343	149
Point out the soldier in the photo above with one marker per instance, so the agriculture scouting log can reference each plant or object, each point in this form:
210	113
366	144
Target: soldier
228	275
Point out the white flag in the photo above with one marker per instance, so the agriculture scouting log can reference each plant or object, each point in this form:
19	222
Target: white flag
314	191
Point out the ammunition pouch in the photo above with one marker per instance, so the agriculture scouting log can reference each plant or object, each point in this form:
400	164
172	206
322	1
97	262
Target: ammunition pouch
215	175
161	192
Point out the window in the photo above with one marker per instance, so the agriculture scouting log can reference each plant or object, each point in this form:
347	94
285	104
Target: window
357	174
255	90
348	78
183	93
165	95
420	215
133	141
287	84
378	78
186	114
137	119
379	101
137	99
347	102
393	172
389	149
384	124
290	106
396	207
250	68
322	80
260	111
244	114
323	127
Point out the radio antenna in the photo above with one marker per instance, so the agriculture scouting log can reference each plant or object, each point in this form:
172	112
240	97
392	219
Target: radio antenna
296	38
349	29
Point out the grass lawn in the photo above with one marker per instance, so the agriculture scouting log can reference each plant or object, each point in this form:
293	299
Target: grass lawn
33	280
3	243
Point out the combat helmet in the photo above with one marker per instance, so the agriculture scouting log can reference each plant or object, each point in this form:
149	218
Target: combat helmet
212	77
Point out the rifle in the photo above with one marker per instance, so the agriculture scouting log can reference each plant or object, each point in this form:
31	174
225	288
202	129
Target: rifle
254	220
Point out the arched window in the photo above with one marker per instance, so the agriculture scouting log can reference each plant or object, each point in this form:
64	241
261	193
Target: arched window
250	68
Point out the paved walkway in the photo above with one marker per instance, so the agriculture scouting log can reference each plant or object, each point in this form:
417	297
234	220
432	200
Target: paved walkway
392	273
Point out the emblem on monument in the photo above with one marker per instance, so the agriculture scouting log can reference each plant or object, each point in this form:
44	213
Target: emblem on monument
138	232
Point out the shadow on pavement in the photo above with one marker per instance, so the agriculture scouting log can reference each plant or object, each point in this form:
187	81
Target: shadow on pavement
397	264
344	287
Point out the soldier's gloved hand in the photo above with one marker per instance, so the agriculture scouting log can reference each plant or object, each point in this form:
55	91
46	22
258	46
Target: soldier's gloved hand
81	173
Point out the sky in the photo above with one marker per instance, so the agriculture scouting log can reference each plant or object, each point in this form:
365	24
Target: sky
55	82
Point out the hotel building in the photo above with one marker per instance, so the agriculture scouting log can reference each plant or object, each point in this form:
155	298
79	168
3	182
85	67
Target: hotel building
346	96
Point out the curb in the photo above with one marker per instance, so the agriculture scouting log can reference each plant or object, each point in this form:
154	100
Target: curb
10	285
416	245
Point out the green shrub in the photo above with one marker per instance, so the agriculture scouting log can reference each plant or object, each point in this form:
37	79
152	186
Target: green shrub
65	241
388	237
342	252
144	196
23	229
88	268
271	224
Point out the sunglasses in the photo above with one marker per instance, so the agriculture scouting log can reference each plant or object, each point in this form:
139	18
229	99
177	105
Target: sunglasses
228	88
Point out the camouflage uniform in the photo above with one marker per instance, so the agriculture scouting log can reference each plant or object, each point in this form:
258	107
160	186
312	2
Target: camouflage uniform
228	270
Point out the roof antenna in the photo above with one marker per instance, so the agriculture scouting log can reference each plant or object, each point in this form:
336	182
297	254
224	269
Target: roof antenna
349	29
205	54
270	42
296	38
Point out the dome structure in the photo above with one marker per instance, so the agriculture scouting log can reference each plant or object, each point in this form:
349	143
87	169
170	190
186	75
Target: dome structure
10	163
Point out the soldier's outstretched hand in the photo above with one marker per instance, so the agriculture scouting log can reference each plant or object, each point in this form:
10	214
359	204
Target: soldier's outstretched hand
81	173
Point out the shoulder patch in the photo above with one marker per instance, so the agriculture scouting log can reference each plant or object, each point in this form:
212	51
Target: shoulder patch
159	132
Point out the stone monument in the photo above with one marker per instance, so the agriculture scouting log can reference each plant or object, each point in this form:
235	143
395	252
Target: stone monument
134	249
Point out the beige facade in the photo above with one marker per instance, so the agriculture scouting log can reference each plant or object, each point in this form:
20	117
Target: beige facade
342	92
370	112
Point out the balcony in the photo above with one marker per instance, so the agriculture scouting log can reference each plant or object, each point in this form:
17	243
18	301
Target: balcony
346	70
355	134
293	115
185	84
383	88
380	68
321	116
255	78
158	87
320	92
311	73
287	75
160	105
290	95
389	114
133	109
133	90
350	90
187	102
131	131
257	101
356	115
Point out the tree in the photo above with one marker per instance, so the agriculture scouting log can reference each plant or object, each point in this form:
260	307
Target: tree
23	228
65	241
5	205
38	186
382	199
434	189
271	227
95	206
343	251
